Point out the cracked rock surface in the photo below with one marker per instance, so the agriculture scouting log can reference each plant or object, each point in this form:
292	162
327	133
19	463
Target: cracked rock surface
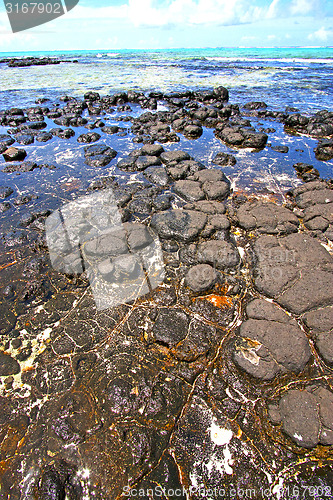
295	270
215	373
270	342
266	218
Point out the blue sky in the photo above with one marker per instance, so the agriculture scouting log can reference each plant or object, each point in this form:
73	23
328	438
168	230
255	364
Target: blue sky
153	24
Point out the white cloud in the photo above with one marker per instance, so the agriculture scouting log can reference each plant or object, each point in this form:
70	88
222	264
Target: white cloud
272	9
81	12
181	12
322	35
302	7
8	40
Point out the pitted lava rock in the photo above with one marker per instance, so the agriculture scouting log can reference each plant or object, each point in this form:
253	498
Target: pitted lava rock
270	343
201	277
295	270
266	218
316	200
179	224
306	415
320	324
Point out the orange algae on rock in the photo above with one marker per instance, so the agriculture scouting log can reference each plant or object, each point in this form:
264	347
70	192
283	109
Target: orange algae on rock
218	300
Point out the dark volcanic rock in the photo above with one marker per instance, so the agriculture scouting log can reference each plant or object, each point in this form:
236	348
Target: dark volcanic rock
220	254
306	172
33	61
96	149
296	270
270	342
99	155
320	323
107	245
66	133
183	168
192	131
89	137
324	398
256	140
127	164
24	139
183	225
266	217
112	129
5	192
306	416
214	183
5	141
324	150
162	202
174	156
152	150
218	190
143	162
221	93
92	96
8	365
25	166
300	417
140	205
44	137
14	154
157	175
255	105
313	193
296	121
189	190
201	277
318	125
170	326
316	200
31	127
241	137
207	207
224	159
280	149
133	163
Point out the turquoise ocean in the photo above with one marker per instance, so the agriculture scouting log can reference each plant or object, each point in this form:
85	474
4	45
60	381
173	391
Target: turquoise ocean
298	77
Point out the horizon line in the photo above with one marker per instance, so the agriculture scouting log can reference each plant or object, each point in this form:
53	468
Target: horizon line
171	48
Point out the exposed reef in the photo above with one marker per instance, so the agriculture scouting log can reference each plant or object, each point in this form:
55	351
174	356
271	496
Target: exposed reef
216	374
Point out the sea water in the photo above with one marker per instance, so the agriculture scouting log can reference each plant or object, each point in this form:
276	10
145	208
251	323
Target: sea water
300	78
297	77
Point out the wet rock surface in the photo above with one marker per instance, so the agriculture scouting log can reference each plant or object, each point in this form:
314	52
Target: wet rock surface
216	372
177	224
14	154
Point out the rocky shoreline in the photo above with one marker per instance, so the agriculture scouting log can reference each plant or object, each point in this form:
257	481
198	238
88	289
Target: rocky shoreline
215	383
15	62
